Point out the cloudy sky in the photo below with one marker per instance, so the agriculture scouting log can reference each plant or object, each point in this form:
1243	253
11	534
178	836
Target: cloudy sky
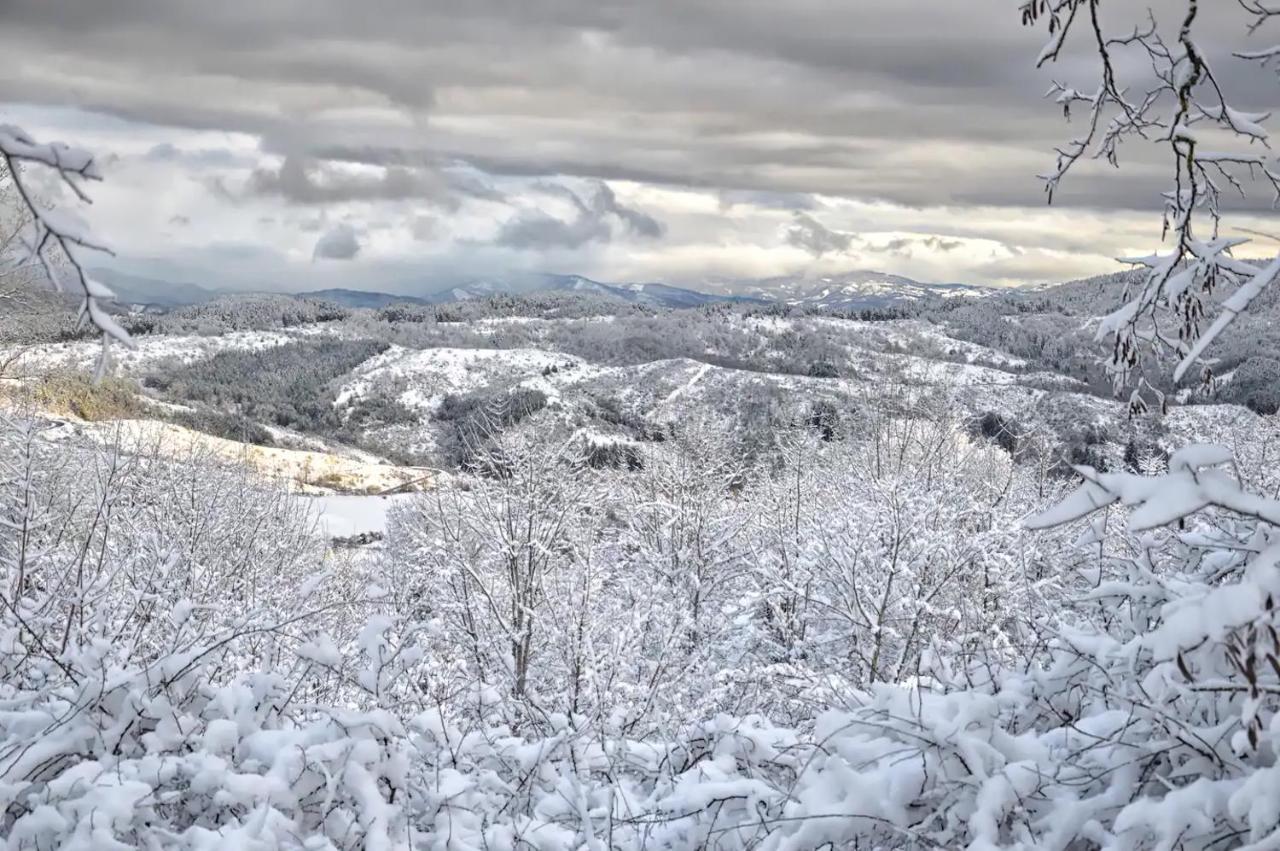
407	144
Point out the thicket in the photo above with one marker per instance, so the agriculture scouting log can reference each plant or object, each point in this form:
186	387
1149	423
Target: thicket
75	393
290	385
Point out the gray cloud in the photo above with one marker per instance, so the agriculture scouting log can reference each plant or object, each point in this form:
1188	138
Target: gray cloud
811	235
639	223
765	109
917	103
937	243
167	152
423	228
794	201
534	229
903	245
592	221
304	181
338	243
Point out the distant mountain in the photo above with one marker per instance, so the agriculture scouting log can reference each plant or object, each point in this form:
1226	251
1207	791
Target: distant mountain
850	291
152	292
856	290
665	295
651	294
361	298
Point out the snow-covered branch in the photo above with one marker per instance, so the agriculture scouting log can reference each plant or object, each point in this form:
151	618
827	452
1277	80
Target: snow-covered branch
1180	103
53	238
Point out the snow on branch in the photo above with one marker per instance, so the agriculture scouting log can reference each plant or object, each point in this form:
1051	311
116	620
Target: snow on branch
1197	479
54	237
1178	101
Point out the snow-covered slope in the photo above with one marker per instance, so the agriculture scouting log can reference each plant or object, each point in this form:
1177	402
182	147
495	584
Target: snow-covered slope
861	290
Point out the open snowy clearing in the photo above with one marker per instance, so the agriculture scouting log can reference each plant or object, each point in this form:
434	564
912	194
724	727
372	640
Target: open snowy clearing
426	376
346	515
307	472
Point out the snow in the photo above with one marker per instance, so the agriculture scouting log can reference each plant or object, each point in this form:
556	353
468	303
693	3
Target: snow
699	374
341	516
149	351
1235	305
1144	717
303	470
433	374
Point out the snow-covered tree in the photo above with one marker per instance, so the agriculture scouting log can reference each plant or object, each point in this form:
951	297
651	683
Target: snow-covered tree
486	562
14	217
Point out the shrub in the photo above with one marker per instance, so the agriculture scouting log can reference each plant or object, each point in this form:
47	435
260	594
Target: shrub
75	393
824	419
375	411
823	369
246	312
612	455
998	429
406	312
224	425
471	419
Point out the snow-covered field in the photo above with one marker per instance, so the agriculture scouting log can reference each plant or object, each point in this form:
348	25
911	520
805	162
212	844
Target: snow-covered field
149	350
426	376
345	515
340	470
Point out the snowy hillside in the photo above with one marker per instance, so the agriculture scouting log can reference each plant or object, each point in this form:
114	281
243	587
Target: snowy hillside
394	382
854	291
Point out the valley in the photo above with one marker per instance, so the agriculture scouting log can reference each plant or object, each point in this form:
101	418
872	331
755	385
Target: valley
330	399
342	399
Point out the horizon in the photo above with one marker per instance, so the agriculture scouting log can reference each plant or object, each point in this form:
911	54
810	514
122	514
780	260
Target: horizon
439	286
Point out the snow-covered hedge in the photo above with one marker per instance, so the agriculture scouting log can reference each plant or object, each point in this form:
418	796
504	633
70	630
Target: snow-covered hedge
158	691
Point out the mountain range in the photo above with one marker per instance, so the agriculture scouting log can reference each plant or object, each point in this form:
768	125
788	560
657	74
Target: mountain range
855	290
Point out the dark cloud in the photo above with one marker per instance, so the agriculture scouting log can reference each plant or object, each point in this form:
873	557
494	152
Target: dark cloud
811	235
338	243
937	243
304	181
534	229
442	115
592	221
904	244
461	178
920	103
639	223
